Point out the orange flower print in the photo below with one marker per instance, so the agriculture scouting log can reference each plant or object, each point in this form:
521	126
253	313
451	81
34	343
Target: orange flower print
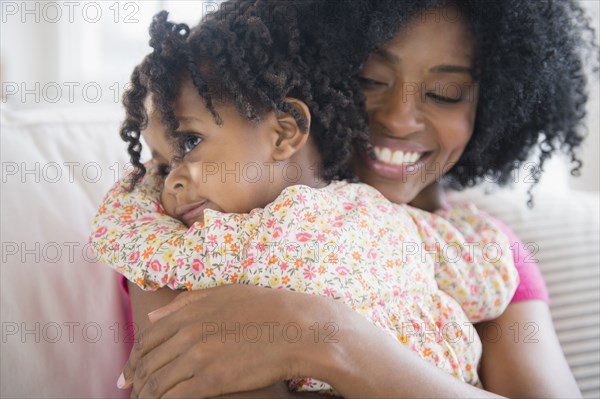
228	238
247	262
148	252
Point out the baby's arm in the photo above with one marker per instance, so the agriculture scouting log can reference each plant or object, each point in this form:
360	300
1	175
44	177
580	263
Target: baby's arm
475	265
132	235
131	228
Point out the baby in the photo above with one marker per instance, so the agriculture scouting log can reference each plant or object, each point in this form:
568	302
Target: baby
248	128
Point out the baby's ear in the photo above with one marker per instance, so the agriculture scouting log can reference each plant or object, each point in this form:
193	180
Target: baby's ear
291	137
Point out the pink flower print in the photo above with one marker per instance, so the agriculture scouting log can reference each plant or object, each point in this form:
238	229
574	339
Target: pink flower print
117	204
271	222
179	263
101	231
158	207
382	209
309	272
218	223
132	233
133	258
156	266
284	266
474	290
338	222
321	237
348	206
212	238
468	258
301	198
372	254
329	292
197	267
278	232
342	270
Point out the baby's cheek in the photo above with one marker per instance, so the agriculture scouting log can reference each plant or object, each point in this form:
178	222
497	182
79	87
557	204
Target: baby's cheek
168	203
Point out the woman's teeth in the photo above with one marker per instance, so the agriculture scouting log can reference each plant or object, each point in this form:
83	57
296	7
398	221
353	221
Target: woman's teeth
396	157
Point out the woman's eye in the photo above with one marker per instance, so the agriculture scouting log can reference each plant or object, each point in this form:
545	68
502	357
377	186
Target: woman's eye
443	99
370	83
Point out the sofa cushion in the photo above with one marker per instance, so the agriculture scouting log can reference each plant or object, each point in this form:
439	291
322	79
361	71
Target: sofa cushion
64	317
562	231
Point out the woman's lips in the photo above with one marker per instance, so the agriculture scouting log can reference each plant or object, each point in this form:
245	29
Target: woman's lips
192	211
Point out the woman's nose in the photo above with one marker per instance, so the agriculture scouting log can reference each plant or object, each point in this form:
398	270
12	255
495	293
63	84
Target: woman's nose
401	113
177	179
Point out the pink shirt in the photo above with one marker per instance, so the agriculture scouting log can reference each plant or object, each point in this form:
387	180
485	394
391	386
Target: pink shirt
531	285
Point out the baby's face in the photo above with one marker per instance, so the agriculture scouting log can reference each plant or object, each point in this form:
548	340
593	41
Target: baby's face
228	168
155	138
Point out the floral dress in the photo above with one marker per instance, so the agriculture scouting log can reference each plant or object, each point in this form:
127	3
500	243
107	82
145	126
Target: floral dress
421	277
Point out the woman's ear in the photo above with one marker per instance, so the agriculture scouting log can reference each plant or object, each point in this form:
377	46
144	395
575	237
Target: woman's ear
291	137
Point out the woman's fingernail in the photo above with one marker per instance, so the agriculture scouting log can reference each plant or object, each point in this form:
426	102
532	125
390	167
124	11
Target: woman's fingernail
121	381
155	315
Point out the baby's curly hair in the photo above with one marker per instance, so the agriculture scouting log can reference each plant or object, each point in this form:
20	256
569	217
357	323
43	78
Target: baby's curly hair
252	55
530	66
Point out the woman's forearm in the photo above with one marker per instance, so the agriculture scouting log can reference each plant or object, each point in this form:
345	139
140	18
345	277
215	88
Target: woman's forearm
522	356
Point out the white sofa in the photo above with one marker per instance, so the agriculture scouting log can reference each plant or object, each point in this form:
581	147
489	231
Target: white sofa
64	317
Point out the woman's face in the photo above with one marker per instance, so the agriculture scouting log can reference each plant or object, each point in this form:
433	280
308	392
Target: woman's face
421	100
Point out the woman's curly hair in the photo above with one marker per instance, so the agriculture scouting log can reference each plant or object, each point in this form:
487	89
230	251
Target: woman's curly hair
252	55
530	66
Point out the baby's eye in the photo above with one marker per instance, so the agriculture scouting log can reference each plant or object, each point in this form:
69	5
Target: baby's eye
190	142
186	142
163	170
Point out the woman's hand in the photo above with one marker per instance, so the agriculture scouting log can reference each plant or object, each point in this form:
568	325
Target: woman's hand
228	339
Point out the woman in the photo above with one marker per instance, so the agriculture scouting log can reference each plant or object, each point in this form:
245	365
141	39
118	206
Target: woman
449	84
